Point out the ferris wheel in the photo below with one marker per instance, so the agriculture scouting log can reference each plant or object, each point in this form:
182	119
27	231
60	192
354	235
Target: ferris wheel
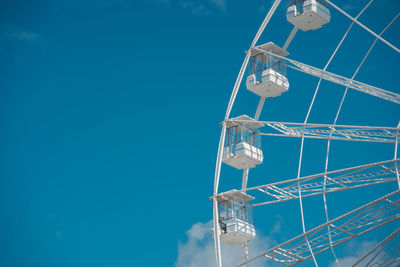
264	72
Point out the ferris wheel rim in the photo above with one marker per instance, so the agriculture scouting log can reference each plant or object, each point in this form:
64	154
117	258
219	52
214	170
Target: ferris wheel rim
258	111
217	245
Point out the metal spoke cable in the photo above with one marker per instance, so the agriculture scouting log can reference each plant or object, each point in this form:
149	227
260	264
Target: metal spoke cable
387	239
338	112
395	154
299	193
363	26
341	104
326	164
302	139
298	180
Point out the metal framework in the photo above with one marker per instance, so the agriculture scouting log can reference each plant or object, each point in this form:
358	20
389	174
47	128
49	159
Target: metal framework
376	134
338	180
385	253
335	78
364	219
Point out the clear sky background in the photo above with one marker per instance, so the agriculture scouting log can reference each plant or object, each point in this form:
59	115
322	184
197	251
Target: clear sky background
109	115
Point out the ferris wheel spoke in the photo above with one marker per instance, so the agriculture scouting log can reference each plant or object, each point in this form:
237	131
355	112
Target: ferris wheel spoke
246	61
395	153
377	256
339	110
290	38
362	25
337	180
335	78
355	223
331	131
285	46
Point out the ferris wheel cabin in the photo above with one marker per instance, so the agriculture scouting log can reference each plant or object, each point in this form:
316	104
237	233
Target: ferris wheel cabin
308	14
267	74
235	218
242	148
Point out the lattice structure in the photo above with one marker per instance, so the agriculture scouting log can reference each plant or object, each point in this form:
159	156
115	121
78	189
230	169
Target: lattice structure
333	132
333	181
385	253
377	134
364	219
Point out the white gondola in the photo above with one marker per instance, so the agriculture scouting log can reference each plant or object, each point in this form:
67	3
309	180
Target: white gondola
267	76
242	148
308	14
235	218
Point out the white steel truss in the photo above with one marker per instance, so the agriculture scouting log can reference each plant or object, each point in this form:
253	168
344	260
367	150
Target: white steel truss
338	180
375	134
335	78
385	253
357	222
334	132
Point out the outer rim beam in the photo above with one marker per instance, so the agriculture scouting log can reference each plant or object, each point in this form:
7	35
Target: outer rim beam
217	246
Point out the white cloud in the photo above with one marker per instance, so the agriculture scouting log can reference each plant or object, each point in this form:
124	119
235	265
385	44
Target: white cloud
262	9
221	4
355	250
198	250
58	234
195	9
276	228
23	35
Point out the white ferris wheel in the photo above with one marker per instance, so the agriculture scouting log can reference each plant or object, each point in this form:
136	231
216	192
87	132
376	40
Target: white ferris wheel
264	74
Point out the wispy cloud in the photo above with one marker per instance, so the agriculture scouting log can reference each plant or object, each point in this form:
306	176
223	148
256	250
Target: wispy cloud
58	234
195	9
13	34
349	6
277	227
198	250
23	35
262	9
355	250
221	4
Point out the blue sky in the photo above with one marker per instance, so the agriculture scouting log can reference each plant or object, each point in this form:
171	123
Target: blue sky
109	124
